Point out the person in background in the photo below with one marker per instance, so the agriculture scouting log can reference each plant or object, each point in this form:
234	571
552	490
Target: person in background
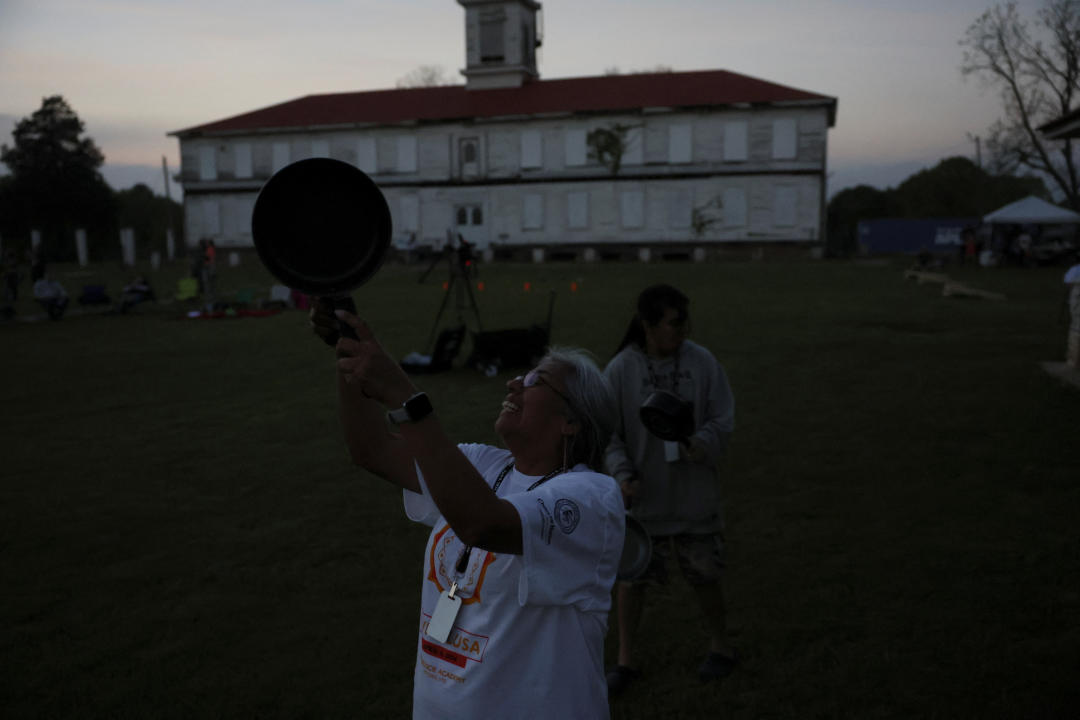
11	278
525	540
209	274
198	260
672	488
135	292
1072	344
52	296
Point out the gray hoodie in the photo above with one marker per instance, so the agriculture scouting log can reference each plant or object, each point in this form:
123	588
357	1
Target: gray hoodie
681	496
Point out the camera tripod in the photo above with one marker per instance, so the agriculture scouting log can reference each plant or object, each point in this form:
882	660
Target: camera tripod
459	284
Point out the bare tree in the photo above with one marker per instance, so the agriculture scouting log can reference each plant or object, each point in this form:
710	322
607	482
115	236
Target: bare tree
1036	68
425	76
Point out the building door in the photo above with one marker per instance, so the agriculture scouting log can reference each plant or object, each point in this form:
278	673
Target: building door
469	224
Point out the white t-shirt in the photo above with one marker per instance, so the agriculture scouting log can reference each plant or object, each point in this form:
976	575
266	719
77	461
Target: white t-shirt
528	640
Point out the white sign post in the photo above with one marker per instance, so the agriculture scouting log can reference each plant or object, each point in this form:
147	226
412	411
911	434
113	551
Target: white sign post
80	247
127	245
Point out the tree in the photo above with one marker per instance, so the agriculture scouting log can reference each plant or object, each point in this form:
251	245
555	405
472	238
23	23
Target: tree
424	76
954	188
1036	67
607	145
55	183
149	215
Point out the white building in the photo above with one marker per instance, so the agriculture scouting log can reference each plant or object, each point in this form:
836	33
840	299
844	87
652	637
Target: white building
512	162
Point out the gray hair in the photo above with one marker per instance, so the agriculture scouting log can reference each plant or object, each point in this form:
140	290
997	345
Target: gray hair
592	406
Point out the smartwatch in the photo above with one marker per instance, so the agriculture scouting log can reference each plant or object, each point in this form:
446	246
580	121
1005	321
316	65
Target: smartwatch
414	409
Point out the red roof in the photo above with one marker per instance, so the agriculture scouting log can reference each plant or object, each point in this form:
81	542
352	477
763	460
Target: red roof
607	93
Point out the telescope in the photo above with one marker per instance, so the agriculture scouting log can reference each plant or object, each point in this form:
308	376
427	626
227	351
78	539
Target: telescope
322	226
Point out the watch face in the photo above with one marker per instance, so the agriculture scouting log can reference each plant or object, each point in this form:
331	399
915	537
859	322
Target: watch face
418	407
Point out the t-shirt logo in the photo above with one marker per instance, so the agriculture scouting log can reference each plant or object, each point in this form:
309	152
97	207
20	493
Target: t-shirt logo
445	550
567	515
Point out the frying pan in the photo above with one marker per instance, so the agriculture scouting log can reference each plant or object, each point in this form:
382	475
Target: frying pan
322	226
667	416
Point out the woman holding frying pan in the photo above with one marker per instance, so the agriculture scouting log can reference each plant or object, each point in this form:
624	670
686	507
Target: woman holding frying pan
525	539
670	483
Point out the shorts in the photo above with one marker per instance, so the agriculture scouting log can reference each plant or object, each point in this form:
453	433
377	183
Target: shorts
700	558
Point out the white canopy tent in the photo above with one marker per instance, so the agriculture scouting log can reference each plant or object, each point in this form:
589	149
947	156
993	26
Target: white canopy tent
1031	211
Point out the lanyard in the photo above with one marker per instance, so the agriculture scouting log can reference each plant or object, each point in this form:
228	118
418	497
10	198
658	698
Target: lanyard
463	559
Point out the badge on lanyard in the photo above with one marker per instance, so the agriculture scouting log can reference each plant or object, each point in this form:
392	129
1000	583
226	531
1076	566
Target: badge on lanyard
446	610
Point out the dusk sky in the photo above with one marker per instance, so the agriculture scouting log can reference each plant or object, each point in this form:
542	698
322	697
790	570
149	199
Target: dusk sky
135	70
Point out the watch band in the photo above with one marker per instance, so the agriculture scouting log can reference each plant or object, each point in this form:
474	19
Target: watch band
414	409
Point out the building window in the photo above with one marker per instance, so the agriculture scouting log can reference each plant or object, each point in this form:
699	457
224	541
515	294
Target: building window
242	160
632	207
320	148
532	212
469	156
466	215
531	155
281	155
365	155
406	153
491	37
208	163
785	206
680	148
577	210
633	147
576	154
409	210
784	142
679	211
734	207
211	217
735	141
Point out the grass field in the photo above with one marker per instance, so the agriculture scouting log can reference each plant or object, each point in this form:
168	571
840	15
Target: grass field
181	534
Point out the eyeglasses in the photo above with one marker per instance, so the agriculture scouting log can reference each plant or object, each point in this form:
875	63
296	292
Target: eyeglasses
533	377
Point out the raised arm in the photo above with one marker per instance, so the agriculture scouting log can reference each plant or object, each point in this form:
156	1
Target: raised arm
370	381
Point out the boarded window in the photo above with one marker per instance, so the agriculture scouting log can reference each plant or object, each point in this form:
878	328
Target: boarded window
406	153
633	147
281	155
491	40
243	160
211	217
734	207
208	163
785	206
735	141
577	210
632	208
320	148
532	213
679	210
409	207
531	148
783	139
680	147
575	148
366	159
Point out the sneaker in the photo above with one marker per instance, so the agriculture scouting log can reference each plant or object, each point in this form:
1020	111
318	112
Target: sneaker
619	678
717	666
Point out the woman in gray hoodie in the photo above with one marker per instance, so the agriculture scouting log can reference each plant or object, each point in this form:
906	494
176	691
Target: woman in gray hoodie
671	487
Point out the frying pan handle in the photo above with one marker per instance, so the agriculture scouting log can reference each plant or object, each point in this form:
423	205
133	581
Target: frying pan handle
343	302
